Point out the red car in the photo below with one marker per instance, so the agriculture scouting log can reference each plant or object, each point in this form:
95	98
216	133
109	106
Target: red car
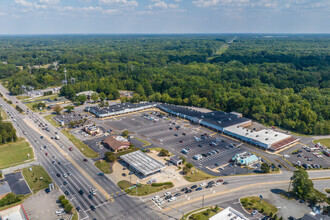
46	154
70	149
85	160
219	181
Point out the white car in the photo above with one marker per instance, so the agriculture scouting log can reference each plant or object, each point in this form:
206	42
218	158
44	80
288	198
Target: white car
203	184
160	200
65	175
161	203
167	194
217	184
172	199
155	198
60	211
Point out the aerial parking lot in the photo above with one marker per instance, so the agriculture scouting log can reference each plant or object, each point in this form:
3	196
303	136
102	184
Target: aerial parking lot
206	149
307	157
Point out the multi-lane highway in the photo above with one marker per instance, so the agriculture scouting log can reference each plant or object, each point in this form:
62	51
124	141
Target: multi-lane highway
83	174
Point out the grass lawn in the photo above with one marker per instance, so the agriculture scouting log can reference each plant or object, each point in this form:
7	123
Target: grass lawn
197	176
51	120
146	143
87	151
252	203
143	189
50	97
104	166
20	97
324	141
33	178
3	114
204	214
15	153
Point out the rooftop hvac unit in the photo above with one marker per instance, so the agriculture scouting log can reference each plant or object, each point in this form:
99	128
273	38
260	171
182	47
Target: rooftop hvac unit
275	135
220	122
246	133
229	119
237	126
266	139
266	132
257	135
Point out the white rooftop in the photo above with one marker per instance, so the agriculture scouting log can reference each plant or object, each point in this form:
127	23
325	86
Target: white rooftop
120	138
229	214
13	213
265	136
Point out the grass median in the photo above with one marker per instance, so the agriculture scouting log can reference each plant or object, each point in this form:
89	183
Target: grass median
15	153
143	189
104	166
84	149
253	203
50	119
146	143
202	213
37	178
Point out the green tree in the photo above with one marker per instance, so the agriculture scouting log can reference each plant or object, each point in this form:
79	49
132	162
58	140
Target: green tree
95	96
302	185
68	208
110	156
102	96
163	152
57	109
265	168
189	165
81	99
125	133
183	159
69	108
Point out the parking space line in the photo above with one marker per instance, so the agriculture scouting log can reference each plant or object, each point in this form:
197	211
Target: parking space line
157	205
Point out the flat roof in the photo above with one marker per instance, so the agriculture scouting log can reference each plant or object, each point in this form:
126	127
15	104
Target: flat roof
142	162
266	136
217	118
229	214
118	107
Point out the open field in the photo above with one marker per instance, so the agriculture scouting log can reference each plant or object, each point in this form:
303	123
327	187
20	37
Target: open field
37	179
3	114
84	149
21	97
104	166
324	141
50	119
143	189
252	203
15	153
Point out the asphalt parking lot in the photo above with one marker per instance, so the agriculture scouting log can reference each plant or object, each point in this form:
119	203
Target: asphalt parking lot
43	205
306	157
17	183
175	135
66	118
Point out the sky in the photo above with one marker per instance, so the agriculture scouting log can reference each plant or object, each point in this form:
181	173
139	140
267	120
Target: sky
163	16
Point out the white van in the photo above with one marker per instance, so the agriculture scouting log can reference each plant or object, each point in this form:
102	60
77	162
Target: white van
198	157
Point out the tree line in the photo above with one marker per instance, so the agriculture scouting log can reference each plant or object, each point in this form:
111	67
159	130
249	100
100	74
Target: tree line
280	81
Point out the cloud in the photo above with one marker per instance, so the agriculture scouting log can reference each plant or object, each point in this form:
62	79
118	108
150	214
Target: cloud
161	5
50	2
125	3
89	9
29	5
263	3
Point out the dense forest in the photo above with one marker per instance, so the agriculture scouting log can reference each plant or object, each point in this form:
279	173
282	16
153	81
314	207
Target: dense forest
276	80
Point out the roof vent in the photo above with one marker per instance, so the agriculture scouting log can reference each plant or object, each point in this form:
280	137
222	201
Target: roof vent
266	139
257	135
275	135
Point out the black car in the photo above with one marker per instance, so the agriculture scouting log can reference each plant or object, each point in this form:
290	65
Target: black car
66	193
225	183
92	207
200	145
177	194
168	197
58	175
45	146
65	183
78	208
188	191
47	190
81	192
193	187
210	183
205	155
208	186
184	189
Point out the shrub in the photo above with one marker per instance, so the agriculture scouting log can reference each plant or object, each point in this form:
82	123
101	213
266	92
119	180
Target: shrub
157	184
189	165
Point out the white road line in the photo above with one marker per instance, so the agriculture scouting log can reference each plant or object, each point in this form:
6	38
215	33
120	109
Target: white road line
157	205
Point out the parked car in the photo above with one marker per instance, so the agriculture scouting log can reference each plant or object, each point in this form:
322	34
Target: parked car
188	191
254	212
85	160
167	194
193	187
184	189
66	192
81	192
92	207
70	149
199	188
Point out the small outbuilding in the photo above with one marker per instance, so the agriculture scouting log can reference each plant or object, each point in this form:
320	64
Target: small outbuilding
116	143
176	160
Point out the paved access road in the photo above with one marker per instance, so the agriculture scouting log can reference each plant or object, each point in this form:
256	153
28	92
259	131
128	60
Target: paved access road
83	174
